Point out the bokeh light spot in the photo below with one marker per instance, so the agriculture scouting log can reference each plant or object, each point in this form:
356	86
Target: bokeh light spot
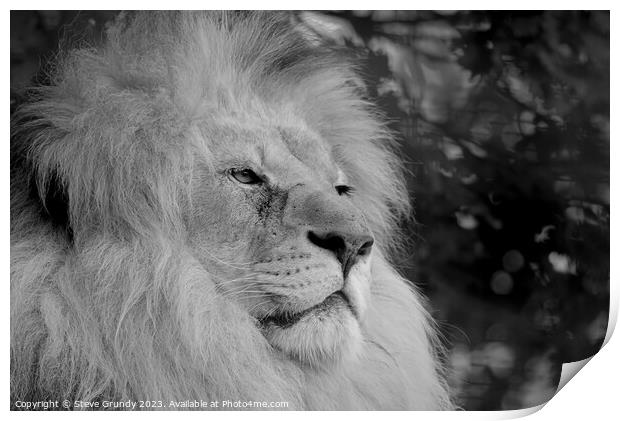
513	261
501	283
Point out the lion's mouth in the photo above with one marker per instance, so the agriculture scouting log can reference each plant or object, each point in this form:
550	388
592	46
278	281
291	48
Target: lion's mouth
287	319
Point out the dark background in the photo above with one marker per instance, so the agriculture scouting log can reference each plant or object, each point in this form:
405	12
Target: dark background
504	122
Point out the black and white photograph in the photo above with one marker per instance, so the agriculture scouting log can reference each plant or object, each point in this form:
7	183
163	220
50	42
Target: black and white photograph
289	210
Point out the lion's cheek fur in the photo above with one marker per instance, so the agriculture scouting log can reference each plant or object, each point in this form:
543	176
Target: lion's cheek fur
357	287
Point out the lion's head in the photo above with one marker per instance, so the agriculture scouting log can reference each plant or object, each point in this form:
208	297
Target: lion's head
289	245
201	209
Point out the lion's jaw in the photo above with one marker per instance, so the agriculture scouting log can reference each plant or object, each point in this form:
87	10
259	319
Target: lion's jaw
307	297
326	333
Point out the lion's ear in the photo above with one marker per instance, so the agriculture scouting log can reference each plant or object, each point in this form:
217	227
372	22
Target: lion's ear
39	179
53	202
316	28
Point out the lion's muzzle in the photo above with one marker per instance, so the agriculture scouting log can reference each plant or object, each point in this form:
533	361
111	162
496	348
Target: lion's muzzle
331	223
347	246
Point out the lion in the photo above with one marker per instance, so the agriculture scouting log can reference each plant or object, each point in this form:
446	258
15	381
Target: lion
202	209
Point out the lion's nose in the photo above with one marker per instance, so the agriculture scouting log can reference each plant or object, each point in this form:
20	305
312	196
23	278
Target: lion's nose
347	247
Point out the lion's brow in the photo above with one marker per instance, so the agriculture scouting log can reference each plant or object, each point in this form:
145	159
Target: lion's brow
309	149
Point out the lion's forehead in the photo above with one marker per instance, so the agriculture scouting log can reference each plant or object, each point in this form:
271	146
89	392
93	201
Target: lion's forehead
311	149
294	152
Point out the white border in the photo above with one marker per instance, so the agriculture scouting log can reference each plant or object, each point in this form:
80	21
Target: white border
591	394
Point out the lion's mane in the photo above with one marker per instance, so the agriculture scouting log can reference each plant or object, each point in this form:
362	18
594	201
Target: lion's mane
106	301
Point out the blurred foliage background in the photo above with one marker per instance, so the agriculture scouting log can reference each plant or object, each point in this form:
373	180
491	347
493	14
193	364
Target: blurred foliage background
504	121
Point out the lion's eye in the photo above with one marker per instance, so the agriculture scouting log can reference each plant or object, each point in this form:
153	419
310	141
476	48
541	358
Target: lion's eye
344	190
244	176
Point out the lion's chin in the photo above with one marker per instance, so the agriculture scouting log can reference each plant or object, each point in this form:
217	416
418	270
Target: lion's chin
321	337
